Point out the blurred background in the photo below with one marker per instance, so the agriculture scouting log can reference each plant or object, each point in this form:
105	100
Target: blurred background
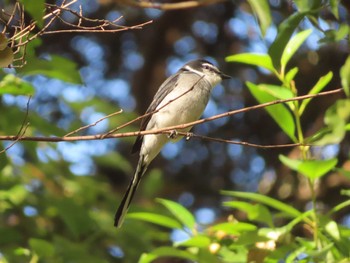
73	188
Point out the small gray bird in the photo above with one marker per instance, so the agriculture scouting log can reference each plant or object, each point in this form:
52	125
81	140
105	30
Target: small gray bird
181	99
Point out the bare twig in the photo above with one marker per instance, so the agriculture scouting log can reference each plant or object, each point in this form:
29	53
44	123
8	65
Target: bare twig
93	124
22	130
169	6
24	33
189	135
169	130
155	111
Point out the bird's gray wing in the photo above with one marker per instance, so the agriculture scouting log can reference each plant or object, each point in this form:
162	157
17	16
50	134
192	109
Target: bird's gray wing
168	86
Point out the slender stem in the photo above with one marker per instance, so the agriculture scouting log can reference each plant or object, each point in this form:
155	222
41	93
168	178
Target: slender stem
304	152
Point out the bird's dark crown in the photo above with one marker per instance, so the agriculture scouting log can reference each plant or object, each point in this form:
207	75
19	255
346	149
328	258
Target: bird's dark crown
199	65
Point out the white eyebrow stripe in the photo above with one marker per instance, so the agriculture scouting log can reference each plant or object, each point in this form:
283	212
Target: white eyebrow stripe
208	65
194	71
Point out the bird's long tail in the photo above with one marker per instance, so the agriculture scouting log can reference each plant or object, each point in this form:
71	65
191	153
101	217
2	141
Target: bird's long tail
124	205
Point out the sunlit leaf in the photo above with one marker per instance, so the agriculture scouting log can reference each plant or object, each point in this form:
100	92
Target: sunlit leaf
336	119
293	45
312	169
11	84
56	67
285	31
319	86
279	92
166	252
157	219
290	210
290	75
292	255
233	228
16	194
308	5
196	241
255	212
297	220
335	7
180	212
281	115
339	207
259	60
345	76
262	10
335	35
35	9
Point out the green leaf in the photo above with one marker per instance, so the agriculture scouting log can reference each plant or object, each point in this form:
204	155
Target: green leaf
16	194
280	206
42	247
259	60
291	258
335	7
320	85
290	75
345	192
196	241
339	207
234	228
250	238
160	220
285	31
332	229
335	35
281	115
345	76
57	67
255	212
3	41
312	169
11	84
6	57
3	161
306	5
297	220
336	118
293	45
75	216
278	92
166	252
262	10
35	9
180	212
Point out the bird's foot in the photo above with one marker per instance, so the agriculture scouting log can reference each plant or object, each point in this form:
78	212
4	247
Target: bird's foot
173	134
188	136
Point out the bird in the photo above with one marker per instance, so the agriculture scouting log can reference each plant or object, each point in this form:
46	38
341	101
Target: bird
181	99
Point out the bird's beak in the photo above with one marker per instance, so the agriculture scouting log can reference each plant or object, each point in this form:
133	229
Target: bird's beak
224	76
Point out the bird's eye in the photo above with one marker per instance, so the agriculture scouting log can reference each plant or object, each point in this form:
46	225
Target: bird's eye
206	67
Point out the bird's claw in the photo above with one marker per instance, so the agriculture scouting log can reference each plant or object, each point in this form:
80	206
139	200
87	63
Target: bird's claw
188	136
173	134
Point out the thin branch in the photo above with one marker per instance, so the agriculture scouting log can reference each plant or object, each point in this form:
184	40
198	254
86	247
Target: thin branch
169	130
24	33
93	124
169	6
189	135
155	111
22	130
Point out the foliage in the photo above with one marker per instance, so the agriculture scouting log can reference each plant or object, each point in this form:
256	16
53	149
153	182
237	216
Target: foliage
50	215
270	242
